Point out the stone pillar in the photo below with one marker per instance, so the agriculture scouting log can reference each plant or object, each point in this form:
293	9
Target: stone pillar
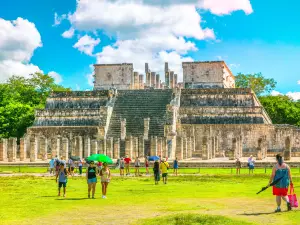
109	147
80	147
33	149
101	149
27	147
172	79
179	148
123	129
45	152
185	155
11	151
153	146
157	83
135	148
153	79
141	146
136	80
128	146
141	81
22	153
116	152
148	79
146	128
175	80
189	148
87	147
3	149
159	147
94	147
164	147
167	79
65	148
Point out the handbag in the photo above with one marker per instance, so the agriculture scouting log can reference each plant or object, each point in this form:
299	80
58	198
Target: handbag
293	198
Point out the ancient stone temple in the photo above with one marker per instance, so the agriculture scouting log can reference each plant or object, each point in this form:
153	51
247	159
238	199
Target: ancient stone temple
137	115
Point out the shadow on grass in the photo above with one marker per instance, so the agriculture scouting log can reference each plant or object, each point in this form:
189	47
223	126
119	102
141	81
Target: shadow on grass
49	196
72	199
257	214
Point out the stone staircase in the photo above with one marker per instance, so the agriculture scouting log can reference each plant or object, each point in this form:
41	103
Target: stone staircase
134	106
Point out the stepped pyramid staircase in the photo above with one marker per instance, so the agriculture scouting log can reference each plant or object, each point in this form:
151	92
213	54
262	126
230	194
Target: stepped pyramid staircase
134	106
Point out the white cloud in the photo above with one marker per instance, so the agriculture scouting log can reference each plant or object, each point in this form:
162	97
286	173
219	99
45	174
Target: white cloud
58	19
298	82
275	93
86	44
294	95
147	31
57	77
68	33
234	65
18	40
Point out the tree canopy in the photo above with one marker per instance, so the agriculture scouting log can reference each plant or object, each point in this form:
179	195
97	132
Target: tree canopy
257	82
19	98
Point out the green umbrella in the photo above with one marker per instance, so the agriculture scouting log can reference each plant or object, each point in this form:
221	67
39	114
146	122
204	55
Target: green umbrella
100	158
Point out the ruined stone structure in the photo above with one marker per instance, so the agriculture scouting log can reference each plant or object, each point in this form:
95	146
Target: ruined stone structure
208	118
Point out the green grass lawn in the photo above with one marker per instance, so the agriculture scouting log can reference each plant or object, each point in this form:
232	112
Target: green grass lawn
205	199
205	170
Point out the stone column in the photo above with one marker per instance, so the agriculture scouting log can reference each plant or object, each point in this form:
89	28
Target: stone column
123	129
164	146
153	146
65	148
80	147
27	147
87	147
109	147
167	79
146	128
3	149
175	79
185	155
116	152
101	147
128	146
159	147
135	148
153	79
189	148
12	149
172	79
22	149
179	148
94	147
45	156
33	149
141	81
136	80
141	146
157	83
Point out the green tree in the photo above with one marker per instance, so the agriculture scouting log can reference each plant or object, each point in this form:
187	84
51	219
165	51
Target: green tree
19	98
257	82
282	109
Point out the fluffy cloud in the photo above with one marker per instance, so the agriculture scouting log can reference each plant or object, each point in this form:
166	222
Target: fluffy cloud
57	77
293	95
298	82
58	19
68	33
275	93
87	44
152	31
18	40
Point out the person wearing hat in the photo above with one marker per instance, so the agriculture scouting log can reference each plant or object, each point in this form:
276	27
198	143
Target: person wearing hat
105	178
62	176
164	167
91	178
122	166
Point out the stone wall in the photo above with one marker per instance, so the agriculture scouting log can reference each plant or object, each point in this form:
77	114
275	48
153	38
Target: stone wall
113	75
212	74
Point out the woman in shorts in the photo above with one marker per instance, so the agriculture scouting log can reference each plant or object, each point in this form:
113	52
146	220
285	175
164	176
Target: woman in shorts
122	166
91	177
137	164
105	179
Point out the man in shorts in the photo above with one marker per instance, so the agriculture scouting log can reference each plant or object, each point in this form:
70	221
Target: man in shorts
164	166
62	176
127	165
122	166
71	167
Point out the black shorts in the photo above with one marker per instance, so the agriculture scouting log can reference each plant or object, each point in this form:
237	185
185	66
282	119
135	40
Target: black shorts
137	166
62	184
122	168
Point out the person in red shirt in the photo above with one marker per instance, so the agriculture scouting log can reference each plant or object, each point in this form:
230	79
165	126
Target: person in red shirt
127	165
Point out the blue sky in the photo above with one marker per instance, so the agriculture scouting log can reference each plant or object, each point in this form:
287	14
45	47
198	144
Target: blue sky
251	36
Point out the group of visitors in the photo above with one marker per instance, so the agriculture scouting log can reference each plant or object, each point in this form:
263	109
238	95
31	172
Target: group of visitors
250	165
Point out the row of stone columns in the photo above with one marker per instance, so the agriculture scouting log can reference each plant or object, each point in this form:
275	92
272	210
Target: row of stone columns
185	146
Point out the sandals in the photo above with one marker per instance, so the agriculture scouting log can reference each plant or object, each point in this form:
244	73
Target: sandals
277	210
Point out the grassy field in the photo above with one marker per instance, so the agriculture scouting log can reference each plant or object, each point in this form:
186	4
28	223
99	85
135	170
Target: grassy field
205	199
186	171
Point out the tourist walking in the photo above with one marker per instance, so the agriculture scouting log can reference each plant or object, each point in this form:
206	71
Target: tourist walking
56	164
137	164
71	167
164	167
80	166
51	166
127	165
251	164
156	172
147	165
91	178
62	176
238	166
105	179
175	166
122	165
280	190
